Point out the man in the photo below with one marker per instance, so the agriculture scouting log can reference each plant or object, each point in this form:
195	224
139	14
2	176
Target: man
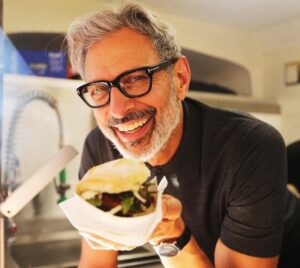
227	196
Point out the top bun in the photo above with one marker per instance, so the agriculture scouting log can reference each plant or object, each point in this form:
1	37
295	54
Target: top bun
116	176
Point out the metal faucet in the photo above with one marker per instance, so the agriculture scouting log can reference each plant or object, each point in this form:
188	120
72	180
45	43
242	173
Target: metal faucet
12	164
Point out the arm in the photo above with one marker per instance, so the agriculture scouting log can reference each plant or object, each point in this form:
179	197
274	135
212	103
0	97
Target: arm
96	258
192	255
226	257
170	228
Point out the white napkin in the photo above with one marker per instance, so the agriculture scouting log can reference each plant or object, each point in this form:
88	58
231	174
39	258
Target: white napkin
128	231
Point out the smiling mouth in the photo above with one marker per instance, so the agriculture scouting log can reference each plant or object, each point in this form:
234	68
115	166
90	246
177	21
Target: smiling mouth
132	127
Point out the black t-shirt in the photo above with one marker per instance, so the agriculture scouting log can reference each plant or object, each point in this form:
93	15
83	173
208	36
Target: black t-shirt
229	174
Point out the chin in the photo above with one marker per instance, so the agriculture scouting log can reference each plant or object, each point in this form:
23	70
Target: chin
139	149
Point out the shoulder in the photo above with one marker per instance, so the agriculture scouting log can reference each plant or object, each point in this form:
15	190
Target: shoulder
213	116
236	143
231	125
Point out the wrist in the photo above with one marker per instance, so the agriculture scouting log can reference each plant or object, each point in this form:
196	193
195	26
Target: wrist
175	231
171	248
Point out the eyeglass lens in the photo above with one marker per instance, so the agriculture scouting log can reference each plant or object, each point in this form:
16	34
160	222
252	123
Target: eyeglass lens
133	84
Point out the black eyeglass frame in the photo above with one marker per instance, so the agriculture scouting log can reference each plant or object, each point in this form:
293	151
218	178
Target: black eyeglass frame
115	83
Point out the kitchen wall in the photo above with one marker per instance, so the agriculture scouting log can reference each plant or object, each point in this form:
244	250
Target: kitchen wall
217	40
281	45
224	42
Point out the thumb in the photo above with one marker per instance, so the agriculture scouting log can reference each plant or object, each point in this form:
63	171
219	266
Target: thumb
171	207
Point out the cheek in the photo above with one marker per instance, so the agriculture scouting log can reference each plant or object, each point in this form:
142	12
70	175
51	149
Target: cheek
99	115
160	93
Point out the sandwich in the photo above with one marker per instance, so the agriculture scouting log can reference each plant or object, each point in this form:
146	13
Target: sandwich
119	187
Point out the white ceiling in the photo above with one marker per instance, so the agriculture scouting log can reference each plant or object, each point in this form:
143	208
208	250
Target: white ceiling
254	15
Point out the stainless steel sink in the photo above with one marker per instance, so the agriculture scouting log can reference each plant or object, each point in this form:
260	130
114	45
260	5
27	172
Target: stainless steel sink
47	254
54	243
45	243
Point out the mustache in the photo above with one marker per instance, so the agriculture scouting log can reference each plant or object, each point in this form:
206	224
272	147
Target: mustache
131	116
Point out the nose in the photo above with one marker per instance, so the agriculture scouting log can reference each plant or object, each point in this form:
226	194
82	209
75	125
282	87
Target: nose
119	104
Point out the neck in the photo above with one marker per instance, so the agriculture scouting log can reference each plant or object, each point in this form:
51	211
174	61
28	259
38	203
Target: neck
165	155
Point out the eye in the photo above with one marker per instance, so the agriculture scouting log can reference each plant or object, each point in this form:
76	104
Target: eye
139	77
97	90
134	78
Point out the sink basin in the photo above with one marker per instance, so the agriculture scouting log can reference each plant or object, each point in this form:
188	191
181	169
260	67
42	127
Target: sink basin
45	243
47	254
39	226
54	243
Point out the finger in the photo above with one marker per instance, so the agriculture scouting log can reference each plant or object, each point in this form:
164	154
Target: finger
107	243
97	246
96	241
113	245
159	233
160	229
171	207
93	244
103	242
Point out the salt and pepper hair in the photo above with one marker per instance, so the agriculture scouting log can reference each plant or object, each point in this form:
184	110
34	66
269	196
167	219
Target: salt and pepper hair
84	32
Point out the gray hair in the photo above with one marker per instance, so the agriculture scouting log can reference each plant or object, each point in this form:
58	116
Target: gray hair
84	32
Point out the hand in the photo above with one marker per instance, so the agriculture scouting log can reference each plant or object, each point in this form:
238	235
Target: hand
172	225
97	242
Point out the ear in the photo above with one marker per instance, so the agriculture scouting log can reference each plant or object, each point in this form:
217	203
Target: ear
182	73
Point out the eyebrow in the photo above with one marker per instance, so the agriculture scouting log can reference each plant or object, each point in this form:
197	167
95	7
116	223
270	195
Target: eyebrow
124	72
129	70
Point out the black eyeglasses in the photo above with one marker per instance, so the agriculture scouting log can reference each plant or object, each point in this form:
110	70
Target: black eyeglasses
133	83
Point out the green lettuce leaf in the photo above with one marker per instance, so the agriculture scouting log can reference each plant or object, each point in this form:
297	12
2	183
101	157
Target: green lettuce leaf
126	204
96	201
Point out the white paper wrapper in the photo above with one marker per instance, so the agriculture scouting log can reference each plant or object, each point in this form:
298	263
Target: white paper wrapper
128	231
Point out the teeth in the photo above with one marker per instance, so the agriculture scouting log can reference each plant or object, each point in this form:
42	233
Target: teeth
133	126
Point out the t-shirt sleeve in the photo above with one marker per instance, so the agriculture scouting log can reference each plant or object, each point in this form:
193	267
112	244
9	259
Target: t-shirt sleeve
254	218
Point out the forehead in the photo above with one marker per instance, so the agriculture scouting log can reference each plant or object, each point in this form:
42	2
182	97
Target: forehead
120	51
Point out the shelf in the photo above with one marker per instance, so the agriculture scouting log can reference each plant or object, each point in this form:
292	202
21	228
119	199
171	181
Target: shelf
246	104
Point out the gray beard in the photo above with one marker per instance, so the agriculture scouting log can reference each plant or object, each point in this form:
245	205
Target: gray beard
168	120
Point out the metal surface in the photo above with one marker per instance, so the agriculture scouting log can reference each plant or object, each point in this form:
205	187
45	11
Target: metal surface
61	253
54	243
